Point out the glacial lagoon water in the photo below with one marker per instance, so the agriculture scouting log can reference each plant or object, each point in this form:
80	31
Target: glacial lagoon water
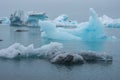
39	69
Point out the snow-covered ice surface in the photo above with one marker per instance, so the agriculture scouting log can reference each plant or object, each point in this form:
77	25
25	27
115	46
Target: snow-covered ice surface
52	52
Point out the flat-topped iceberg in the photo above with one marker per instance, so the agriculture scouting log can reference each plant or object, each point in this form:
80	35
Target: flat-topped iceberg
53	52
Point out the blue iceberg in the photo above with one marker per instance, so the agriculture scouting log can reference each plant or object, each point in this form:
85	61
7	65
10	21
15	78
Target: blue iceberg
89	31
50	31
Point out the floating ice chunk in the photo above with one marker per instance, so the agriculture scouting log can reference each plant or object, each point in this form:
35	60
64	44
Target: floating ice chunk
67	58
114	37
10	52
52	52
18	50
82	57
48	51
106	20
94	29
62	21
109	22
88	31
62	18
92	56
4	20
50	31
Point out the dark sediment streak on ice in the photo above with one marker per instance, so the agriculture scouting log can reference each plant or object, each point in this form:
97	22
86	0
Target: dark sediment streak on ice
53	52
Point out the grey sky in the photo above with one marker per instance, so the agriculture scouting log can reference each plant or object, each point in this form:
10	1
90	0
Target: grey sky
76	9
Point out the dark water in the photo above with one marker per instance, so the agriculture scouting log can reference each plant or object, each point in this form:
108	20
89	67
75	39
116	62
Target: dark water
38	69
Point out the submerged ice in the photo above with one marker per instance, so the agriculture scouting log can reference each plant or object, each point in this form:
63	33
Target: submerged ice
53	52
89	31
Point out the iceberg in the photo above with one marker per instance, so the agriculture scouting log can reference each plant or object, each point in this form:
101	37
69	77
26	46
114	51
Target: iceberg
19	50
34	17
50	31
67	58
4	21
62	21
53	52
95	29
88	31
109	22
17	18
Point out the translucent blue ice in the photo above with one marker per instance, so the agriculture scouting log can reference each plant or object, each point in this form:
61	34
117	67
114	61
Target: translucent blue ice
50	31
89	31
94	29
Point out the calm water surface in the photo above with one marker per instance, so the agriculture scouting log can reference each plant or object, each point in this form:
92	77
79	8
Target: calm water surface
38	69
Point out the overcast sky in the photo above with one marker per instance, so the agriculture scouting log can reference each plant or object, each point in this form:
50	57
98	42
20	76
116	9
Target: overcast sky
76	9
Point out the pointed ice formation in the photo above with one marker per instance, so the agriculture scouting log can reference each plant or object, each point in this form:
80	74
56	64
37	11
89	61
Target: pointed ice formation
89	31
95	29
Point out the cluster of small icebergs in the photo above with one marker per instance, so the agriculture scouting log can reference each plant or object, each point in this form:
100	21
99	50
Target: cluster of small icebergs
93	30
53	52
61	21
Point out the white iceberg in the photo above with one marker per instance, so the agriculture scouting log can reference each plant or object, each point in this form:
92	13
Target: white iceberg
4	21
109	22
63	21
52	52
19	50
